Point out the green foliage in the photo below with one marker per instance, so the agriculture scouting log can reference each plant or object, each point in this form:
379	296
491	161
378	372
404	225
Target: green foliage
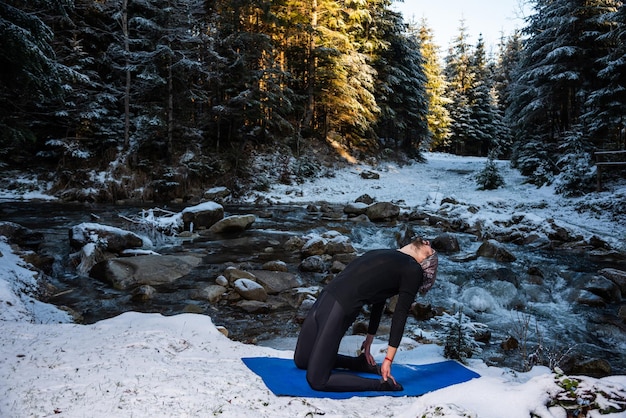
297	170
438	116
306	169
129	80
578	396
401	89
577	175
533	159
30	76
489	178
459	342
477	121
566	81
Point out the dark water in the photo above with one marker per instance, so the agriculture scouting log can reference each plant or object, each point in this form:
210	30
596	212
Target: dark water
482	287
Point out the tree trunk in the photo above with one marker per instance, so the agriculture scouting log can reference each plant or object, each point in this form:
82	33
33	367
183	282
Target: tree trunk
170	109
127	89
310	107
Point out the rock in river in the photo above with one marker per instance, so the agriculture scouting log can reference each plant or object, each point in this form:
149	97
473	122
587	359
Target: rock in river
154	270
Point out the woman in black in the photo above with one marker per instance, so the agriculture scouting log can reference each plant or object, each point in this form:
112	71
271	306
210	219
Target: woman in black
368	280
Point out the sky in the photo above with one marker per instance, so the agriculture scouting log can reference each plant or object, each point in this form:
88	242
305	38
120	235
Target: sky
147	365
491	18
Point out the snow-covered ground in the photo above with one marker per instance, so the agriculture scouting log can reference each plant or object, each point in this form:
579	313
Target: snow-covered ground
147	365
449	176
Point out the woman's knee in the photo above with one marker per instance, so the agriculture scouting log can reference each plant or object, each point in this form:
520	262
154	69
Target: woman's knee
300	361
315	382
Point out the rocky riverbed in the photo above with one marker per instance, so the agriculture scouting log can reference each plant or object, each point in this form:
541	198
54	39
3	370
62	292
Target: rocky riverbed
255	269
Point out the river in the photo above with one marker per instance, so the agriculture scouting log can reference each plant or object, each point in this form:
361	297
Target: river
500	295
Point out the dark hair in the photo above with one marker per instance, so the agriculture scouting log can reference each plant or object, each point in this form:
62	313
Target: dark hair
429	267
419	242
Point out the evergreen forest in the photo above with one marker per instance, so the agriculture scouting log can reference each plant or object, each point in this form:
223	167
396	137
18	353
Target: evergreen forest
153	99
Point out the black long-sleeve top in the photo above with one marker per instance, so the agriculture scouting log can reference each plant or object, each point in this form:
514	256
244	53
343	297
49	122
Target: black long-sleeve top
373	278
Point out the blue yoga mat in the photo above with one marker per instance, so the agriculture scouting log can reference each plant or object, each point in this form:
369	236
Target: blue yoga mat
283	378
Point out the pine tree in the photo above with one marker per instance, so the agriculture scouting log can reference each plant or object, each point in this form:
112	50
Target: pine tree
606	103
346	83
460	78
326	50
490	178
487	123
31	76
509	52
164	39
557	72
459	343
401	88
438	116
246	80
88	122
477	124
577	174
508	59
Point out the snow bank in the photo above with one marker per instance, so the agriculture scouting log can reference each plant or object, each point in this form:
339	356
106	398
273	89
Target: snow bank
18	286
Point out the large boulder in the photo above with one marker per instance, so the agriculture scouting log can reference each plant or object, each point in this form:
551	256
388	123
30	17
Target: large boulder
315	245
202	216
585	297
276	281
492	249
233	223
382	211
254	306
106	237
355	209
314	263
340	245
25	239
594	367
216	194
153	270
213	293
365	198
275	265
21	236
604	288
560	234
446	243
250	290
616	276
294	244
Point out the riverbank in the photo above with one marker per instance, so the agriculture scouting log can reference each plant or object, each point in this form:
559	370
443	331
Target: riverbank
446	184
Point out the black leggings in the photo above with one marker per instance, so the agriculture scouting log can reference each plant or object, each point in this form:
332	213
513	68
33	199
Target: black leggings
317	347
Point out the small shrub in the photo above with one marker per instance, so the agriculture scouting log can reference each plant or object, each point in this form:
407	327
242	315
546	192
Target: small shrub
489	178
306	169
580	395
459	343
576	171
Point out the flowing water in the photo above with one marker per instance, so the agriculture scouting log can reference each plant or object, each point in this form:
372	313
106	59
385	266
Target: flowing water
498	294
